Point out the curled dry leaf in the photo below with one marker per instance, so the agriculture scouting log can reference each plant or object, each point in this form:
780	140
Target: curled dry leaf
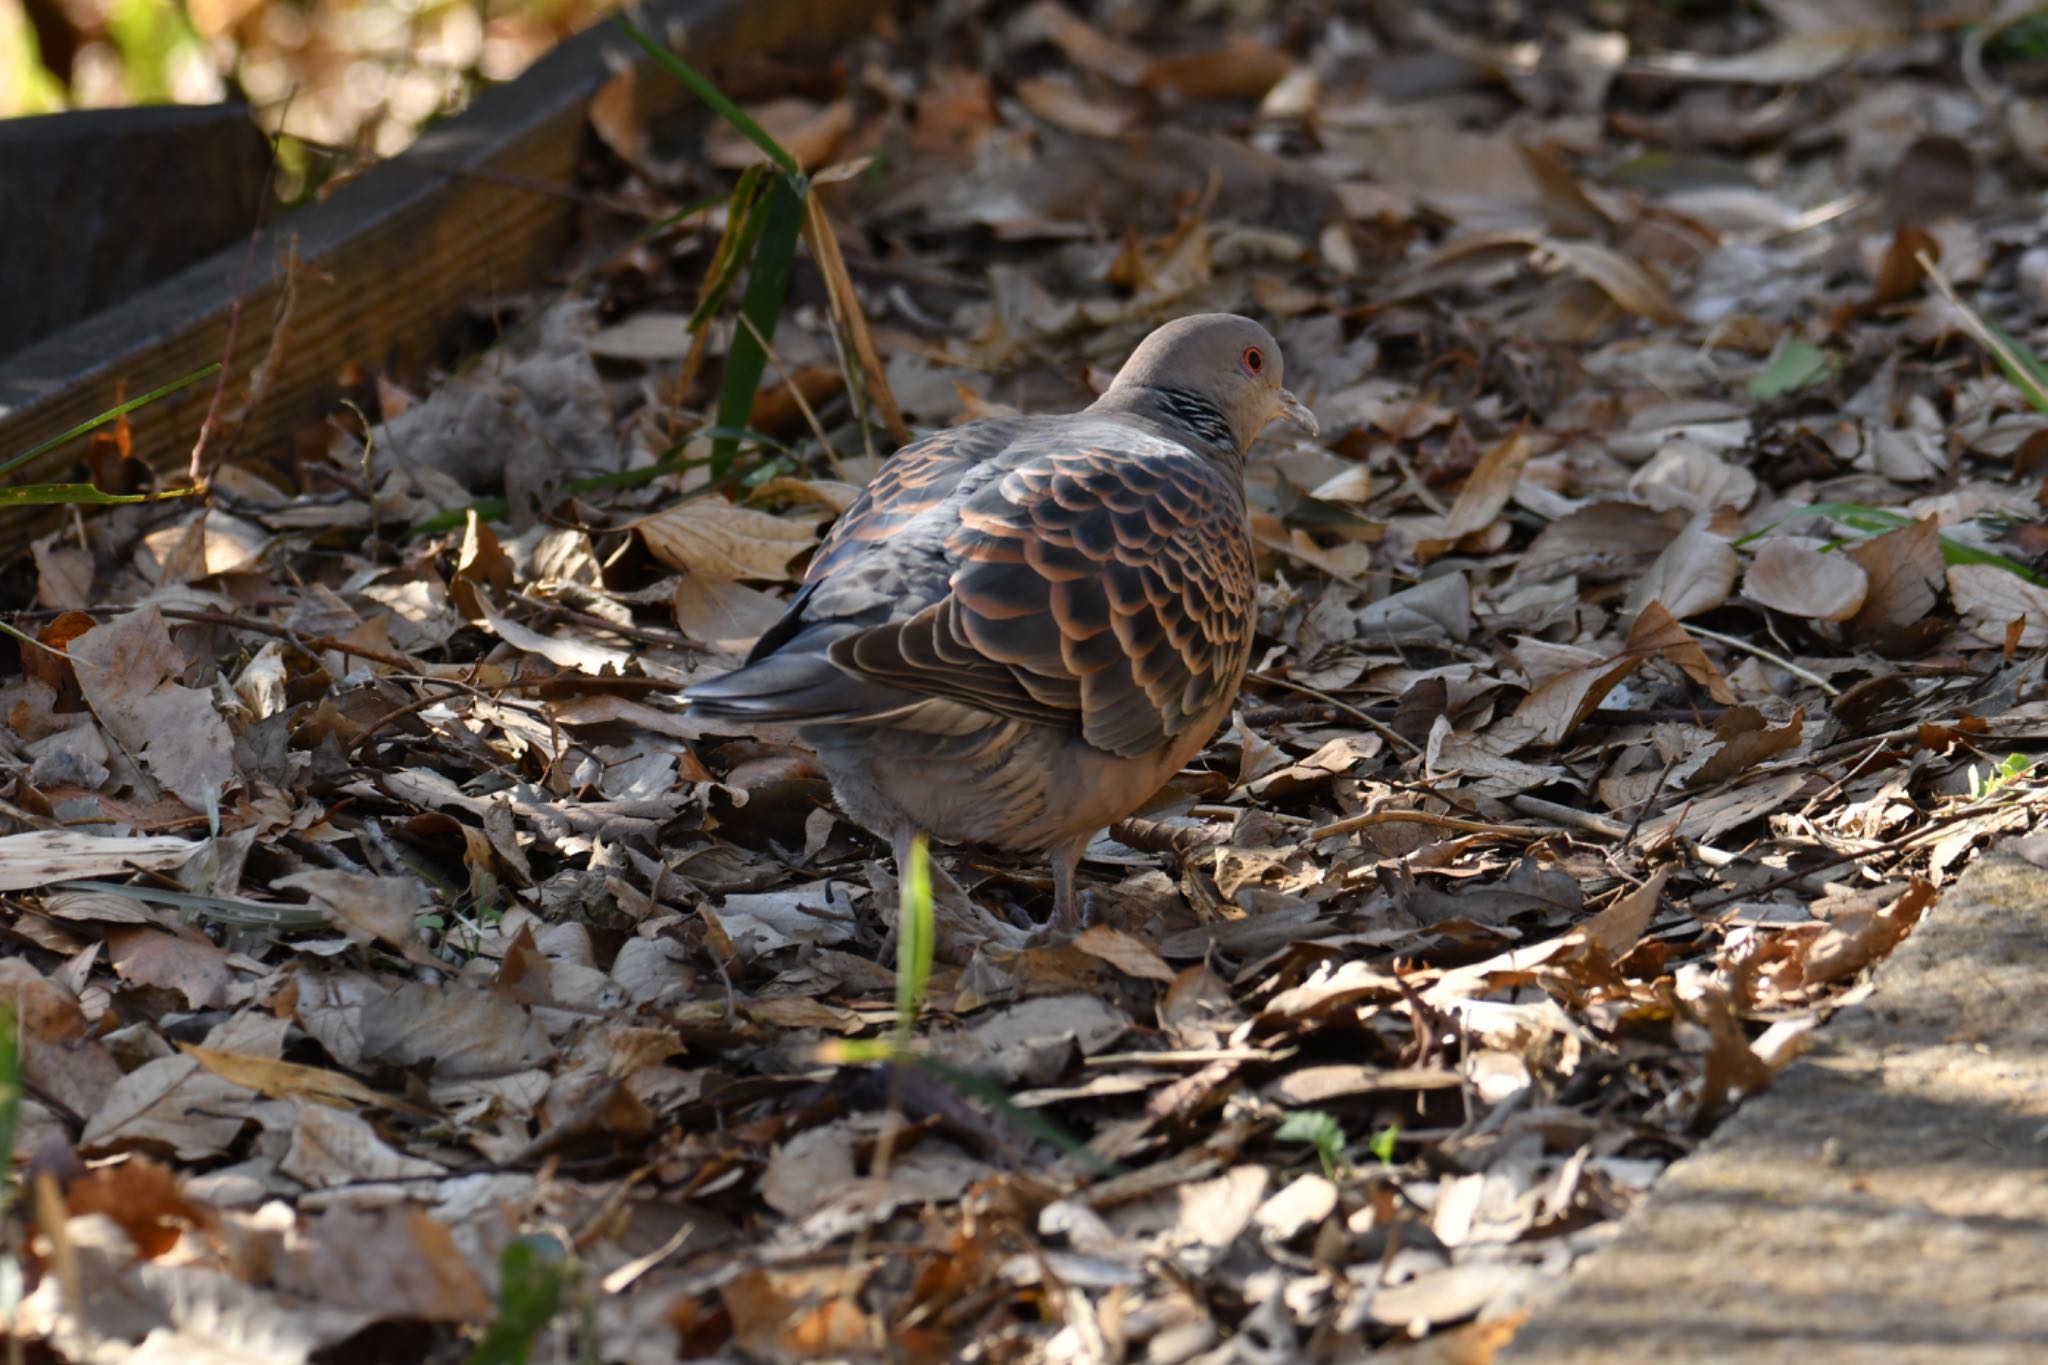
1486	492
1694	574
1993	600
1904	569
708	536
1801	580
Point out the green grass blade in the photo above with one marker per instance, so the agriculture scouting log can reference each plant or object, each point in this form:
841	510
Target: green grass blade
532	1273
111	414
497	509
1030	1120
704	90
743	226
2017	364
223	909
1877	520
82	494
10	1093
915	937
767	287
2032	381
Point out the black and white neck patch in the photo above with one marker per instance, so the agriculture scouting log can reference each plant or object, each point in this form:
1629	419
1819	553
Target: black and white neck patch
1197	414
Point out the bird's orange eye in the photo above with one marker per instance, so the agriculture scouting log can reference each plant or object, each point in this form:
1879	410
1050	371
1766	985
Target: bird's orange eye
1254	359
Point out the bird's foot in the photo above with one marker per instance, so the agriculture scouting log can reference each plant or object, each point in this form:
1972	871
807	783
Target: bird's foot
1062	927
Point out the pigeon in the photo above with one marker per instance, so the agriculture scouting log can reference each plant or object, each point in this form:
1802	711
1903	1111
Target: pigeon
1025	625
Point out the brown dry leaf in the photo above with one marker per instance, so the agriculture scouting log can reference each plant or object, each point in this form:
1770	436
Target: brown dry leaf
1857	937
1801	580
564	651
397	1264
1992	600
128	670
1656	632
1793	58
1084	45
1064	105
798	1315
1747	739
60	1058
1560	704
331	1147
1486	492
1133	957
462	1031
1626	281
64	574
807	131
175	1103
182	960
286	1080
1905	572
613	115
369	909
145	1198
715	538
725	615
480	564
956	111
1616	930
1695	573
1239	68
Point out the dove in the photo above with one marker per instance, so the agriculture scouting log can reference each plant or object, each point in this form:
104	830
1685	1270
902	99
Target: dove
1024	626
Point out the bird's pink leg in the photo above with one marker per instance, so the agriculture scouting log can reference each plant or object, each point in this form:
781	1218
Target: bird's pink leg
1068	914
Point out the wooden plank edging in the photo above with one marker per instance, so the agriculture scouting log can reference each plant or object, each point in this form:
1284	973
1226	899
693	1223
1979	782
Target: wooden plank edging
388	262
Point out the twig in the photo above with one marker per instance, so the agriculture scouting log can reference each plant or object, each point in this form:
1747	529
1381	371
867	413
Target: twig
1737	642
1421	817
194	474
796	392
1582	820
1385	731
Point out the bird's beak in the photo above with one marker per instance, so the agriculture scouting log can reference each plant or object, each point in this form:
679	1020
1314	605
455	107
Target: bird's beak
1295	413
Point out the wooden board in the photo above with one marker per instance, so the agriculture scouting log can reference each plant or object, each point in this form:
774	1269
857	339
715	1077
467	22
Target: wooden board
389	261
146	192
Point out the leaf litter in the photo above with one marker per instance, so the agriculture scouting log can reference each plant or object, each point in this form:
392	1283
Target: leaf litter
1650	636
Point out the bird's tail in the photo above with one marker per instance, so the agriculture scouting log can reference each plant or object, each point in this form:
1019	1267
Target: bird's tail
794	687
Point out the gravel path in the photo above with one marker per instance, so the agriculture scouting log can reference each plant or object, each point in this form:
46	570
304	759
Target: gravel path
1886	1200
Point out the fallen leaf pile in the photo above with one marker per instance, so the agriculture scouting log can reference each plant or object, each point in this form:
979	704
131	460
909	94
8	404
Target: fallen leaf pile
1648	637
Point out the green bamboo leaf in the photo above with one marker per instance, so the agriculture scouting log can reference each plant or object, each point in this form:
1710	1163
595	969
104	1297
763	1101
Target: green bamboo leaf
767	287
111	414
704	90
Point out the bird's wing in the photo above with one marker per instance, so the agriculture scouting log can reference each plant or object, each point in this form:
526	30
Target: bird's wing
912	483
885	558
1103	583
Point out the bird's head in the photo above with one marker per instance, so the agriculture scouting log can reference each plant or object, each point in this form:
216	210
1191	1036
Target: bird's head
1216	375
